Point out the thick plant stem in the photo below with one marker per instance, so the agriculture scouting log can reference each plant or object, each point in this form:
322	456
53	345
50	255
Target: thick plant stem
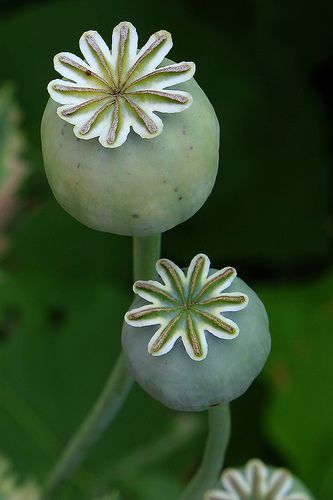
146	252
213	459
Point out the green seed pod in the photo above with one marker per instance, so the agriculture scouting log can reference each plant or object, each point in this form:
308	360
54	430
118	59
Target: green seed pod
259	481
224	333
124	183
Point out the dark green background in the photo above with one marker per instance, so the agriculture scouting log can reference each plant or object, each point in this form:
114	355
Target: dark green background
267	68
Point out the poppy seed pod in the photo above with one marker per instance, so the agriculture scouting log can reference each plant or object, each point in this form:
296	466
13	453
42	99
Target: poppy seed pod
259	481
212	340
137	182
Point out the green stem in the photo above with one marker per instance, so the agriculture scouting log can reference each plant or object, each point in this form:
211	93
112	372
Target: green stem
213	459
103	412
146	252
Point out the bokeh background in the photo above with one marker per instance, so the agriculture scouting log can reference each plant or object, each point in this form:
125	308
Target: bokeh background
267	67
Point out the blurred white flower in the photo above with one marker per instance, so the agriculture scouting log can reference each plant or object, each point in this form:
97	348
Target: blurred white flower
11	489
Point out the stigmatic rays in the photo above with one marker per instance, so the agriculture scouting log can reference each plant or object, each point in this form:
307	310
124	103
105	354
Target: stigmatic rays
110	91
257	482
187	306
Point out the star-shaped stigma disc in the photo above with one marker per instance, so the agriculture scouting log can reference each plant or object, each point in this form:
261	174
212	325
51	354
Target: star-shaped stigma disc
187	305
257	482
111	91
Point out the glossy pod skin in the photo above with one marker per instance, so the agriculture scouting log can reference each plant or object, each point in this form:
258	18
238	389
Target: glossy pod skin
230	367
145	186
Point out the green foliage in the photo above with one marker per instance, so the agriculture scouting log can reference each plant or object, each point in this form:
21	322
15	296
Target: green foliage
64	288
300	414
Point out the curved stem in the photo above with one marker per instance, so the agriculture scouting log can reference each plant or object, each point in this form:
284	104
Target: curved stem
105	409
213	459
146	252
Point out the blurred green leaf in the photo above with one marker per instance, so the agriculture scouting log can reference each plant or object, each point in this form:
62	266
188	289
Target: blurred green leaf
60	326
156	484
300	415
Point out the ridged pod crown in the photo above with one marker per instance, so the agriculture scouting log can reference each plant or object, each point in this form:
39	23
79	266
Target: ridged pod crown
186	306
257	481
110	91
